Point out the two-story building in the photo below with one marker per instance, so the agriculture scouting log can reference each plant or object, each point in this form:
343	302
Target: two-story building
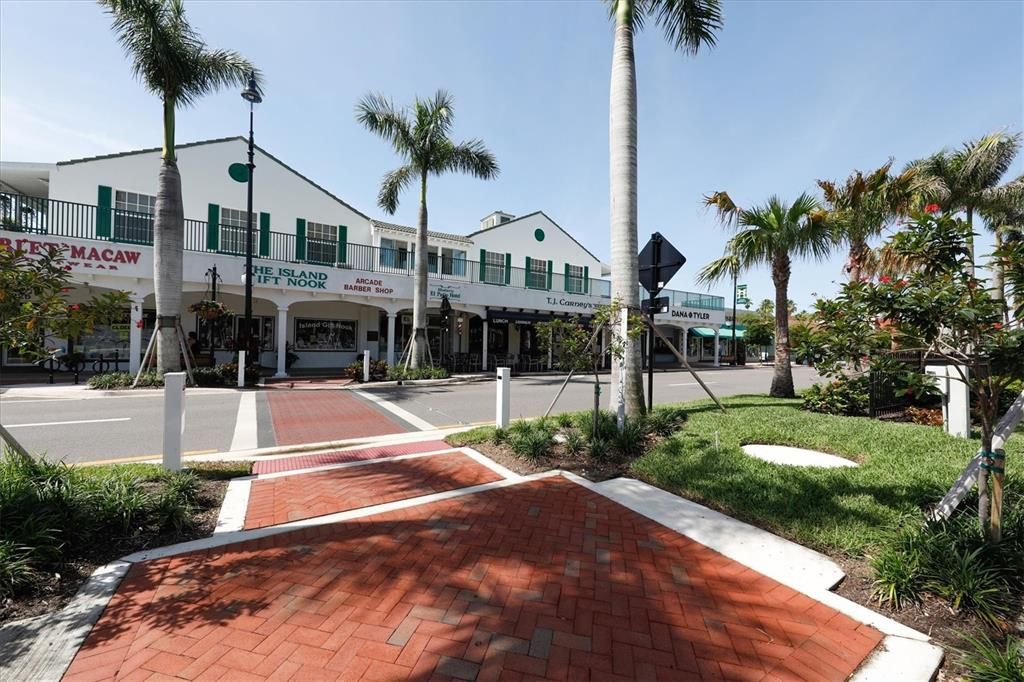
329	281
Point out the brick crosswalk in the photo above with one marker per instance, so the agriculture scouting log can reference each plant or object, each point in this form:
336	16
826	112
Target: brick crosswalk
543	580
321	416
272	466
303	496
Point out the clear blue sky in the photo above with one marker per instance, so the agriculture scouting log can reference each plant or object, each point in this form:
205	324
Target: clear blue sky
794	91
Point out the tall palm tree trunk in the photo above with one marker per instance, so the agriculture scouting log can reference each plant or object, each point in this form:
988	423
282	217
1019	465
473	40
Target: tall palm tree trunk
999	276
419	299
856	259
782	378
168	247
622	131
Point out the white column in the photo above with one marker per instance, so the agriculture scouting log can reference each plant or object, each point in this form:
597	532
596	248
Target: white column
391	339
502	398
174	418
716	347
483	354
135	336
686	343
551	352
282	340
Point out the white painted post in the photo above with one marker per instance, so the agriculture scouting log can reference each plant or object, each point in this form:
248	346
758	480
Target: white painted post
135	336
686	343
174	419
717	350
391	339
366	366
282	341
956	399
241	369
501	411
483	355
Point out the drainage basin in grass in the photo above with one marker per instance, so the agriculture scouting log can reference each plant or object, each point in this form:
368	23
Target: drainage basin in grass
799	457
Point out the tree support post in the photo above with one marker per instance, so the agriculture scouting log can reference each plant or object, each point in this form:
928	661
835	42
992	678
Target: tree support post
682	359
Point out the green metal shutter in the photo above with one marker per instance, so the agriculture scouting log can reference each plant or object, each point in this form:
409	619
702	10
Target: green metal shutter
264	235
104	202
565	279
300	239
586	279
528	263
342	243
550	270
508	268
212	227
483	265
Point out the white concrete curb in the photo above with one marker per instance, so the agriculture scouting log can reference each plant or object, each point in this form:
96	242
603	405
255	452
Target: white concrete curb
234	506
49	643
491	464
357	463
898	658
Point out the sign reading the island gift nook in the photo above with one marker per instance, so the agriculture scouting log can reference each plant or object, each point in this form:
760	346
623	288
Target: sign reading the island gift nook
325	334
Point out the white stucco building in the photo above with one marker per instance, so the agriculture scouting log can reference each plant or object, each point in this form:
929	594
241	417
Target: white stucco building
329	280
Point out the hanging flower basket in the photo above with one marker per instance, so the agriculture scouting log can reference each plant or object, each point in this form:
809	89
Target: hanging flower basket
209	310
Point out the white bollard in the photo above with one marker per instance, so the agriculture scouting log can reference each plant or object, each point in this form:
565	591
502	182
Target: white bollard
366	366
501	411
174	419
241	369
956	399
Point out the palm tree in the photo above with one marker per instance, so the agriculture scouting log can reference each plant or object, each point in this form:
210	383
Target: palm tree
861	207
771	235
171	60
1006	221
420	135
967	179
688	25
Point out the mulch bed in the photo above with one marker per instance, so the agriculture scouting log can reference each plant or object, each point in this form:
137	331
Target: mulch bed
557	459
55	590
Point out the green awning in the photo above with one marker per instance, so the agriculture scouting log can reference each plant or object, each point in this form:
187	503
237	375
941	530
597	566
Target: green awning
726	332
702	331
723	333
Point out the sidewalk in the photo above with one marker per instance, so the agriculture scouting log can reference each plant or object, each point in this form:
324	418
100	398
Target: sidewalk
426	562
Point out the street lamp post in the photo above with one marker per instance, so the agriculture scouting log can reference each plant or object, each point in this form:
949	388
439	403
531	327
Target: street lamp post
735	277
251	94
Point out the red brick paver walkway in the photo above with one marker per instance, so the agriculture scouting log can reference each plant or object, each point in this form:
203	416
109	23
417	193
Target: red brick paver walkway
320	416
542	580
303	496
273	466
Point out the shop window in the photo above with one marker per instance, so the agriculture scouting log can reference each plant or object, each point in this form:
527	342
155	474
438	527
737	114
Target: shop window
394	254
432	259
321	243
222	332
233	224
574	283
133	217
325	335
537	276
494	272
453	262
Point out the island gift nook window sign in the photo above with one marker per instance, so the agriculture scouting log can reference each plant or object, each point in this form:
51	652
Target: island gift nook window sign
325	335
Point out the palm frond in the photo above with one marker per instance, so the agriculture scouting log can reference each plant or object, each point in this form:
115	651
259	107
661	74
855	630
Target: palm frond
725	208
688	24
379	115
391	186
470	156
215	69
719	269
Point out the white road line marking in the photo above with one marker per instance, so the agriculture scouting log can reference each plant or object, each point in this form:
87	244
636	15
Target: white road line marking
245	437
235	505
405	415
76	421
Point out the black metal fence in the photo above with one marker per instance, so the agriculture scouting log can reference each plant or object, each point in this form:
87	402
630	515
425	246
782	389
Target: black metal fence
883	403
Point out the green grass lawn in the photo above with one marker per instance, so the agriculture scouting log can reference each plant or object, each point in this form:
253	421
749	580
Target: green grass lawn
902	468
210	471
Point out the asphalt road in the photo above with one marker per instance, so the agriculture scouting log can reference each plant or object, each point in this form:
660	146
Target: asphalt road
79	426
449	405
116	427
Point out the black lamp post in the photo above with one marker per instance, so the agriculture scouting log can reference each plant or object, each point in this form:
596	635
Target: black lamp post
251	94
446	311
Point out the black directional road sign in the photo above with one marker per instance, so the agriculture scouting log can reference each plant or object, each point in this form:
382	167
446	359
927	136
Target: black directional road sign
659	304
658	261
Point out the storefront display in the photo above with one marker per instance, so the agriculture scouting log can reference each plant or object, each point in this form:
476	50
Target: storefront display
325	335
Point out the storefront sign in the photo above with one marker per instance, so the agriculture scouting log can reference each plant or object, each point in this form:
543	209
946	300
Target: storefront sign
453	292
572	303
690	315
369	286
337	335
291	277
78	257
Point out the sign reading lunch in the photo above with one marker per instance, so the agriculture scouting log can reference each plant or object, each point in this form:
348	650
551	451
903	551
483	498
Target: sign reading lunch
78	257
290	277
